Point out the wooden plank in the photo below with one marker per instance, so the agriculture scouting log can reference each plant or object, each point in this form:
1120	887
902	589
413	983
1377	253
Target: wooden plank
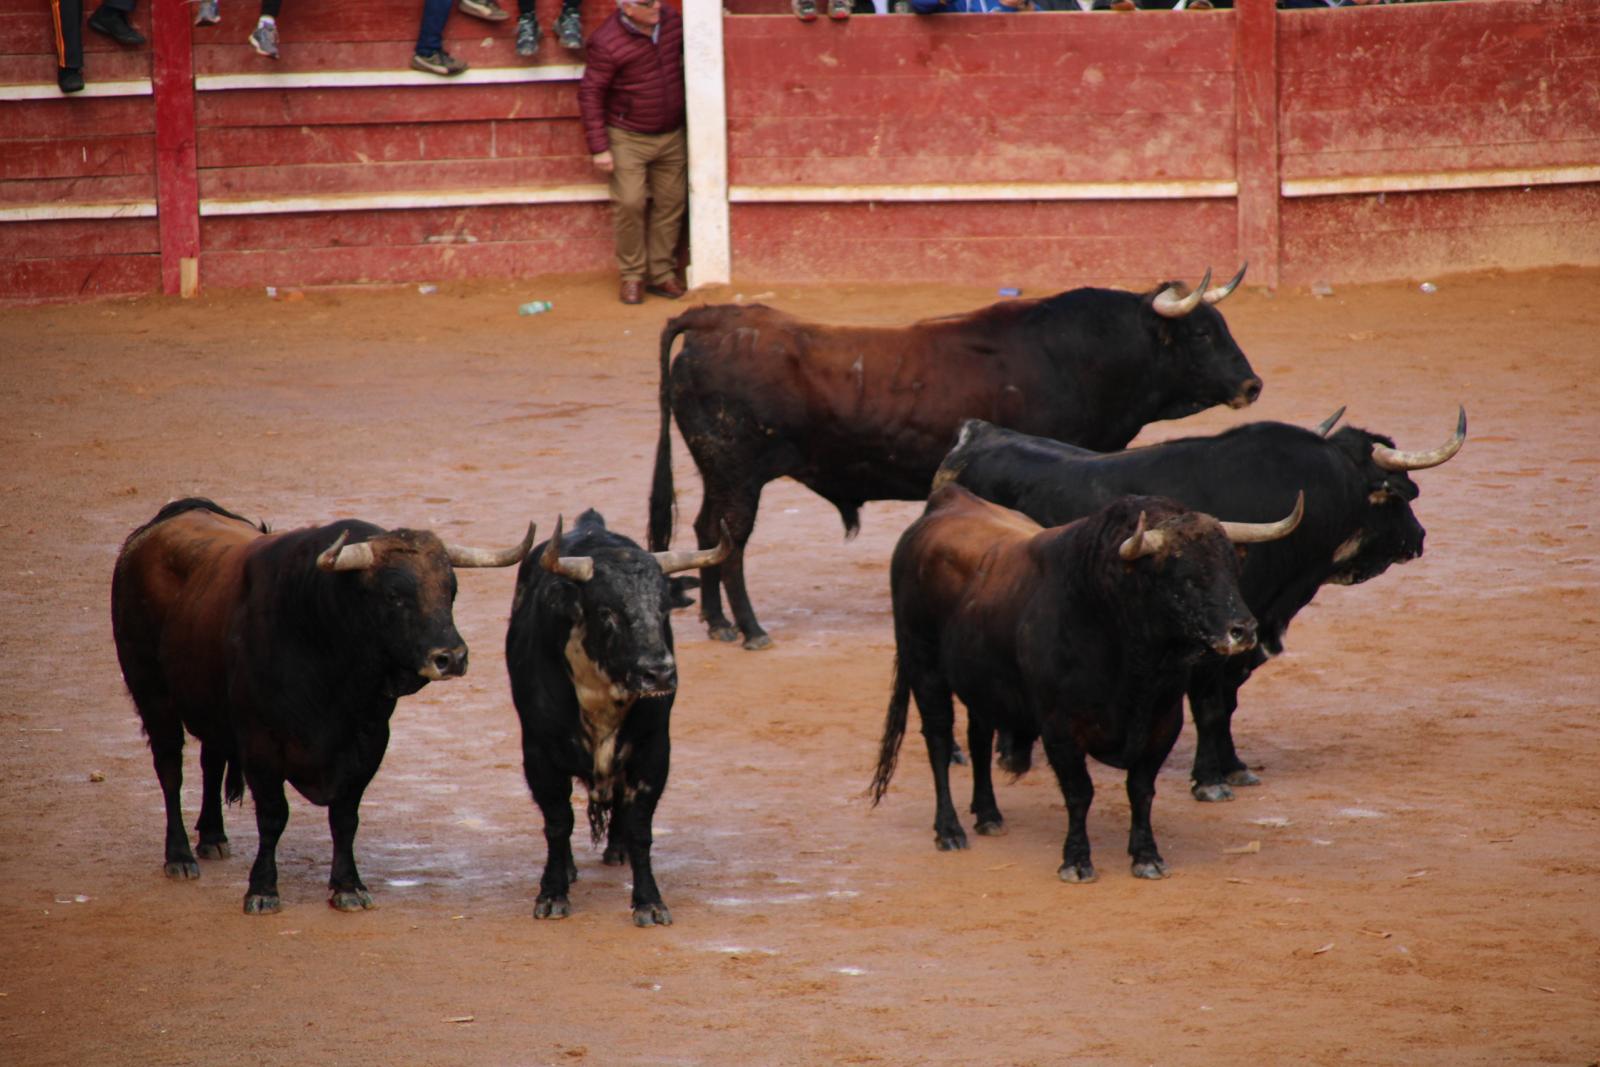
96	116
78	277
442	103
257	146
371	263
85	189
438	177
177	191
1255	106
77	156
297	55
393	229
100	65
78	238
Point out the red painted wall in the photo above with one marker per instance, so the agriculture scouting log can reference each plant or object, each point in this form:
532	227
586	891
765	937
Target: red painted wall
1249	97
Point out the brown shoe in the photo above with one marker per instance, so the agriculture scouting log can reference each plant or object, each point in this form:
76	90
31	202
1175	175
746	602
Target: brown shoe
669	289
632	292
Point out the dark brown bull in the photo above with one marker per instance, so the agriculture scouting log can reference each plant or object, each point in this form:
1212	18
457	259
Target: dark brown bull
866	413
284	654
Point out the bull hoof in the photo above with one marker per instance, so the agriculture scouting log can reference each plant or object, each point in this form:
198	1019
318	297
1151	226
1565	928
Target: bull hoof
614	857
1152	869
262	904
951	842
992	827
757	643
723	631
180	870
351	900
552	908
652	915
1212	793
1242	777
214	850
1076	873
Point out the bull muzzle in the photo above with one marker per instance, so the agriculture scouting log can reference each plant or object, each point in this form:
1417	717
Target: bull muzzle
1248	394
657	677
442	663
1239	636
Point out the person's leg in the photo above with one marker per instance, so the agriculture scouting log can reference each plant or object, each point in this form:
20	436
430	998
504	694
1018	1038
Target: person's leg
528	32
630	154
111	19
569	24
430	36
669	194
68	16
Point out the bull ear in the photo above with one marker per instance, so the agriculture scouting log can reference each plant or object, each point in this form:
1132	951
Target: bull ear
1222	292
1169	305
673	562
1392	459
577	568
462	556
342	557
1143	542
1243	533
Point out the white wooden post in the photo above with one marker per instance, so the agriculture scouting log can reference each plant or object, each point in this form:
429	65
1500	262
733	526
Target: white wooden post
706	97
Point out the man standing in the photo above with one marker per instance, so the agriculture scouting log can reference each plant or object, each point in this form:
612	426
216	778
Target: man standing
631	100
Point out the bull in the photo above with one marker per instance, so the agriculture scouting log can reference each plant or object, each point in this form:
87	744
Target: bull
866	413
1082	634
1358	523
284	654
593	677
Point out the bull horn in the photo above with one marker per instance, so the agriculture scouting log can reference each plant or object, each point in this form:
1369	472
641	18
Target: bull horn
1392	459
1241	533
673	562
1222	292
342	557
578	568
1169	304
462	556
1143	542
1325	427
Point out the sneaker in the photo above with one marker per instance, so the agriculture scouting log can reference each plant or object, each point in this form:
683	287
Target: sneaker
901	7
488	10
264	38
206	13
114	24
528	34
839	10
569	28
805	10
69	79
440	62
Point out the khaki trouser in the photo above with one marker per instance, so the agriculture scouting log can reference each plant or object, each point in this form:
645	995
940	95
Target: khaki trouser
653	165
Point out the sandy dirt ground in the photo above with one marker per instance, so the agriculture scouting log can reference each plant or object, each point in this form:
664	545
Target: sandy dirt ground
1415	881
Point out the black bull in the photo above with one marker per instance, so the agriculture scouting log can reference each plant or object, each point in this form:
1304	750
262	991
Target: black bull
284	654
866	413
1081	633
1358	523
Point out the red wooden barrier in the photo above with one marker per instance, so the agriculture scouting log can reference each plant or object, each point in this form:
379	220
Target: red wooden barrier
1043	149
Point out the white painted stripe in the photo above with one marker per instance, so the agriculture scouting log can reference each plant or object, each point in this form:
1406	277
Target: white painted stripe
364	79
804	194
53	92
1439	181
406	200
137	209
706	93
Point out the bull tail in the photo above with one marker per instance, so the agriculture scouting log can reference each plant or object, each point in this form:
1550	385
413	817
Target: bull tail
663	499
894	731
233	781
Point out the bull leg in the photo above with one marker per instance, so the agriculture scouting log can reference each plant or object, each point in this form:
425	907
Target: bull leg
213	839
166	751
1141	783
272	815
346	890
706	526
1213	698
1072	772
980	740
637	813
738	509
937	712
552	792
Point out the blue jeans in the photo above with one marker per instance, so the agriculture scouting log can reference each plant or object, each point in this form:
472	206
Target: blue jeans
430	38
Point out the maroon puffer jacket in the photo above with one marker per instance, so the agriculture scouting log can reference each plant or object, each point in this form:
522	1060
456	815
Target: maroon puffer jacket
631	81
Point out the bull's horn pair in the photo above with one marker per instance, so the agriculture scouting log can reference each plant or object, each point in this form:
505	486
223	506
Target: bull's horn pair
1169	304
1147	542
358	557
1392	459
581	568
